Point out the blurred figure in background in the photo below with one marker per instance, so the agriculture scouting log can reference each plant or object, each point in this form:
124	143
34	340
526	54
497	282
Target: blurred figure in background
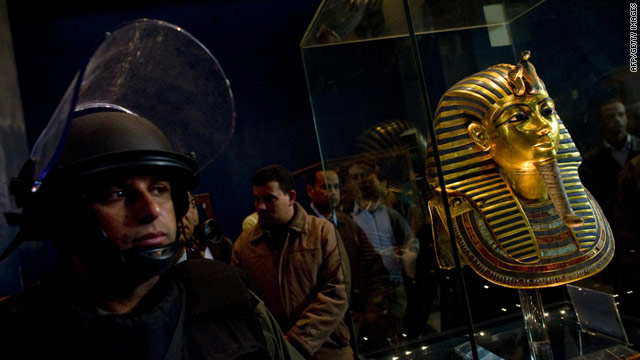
250	221
625	264
203	240
391	237
368	273
601	165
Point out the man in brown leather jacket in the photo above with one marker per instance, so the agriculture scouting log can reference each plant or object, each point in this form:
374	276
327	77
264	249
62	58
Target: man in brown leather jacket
293	260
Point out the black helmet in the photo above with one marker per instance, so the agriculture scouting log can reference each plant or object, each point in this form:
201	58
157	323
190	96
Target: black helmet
110	142
107	142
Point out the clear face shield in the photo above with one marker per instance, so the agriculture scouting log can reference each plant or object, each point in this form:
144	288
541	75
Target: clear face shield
155	70
151	69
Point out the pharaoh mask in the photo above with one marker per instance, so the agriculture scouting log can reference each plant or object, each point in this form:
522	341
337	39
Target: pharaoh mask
521	216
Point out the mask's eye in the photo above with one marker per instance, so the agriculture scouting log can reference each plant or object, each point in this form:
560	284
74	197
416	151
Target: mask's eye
548	111
519	117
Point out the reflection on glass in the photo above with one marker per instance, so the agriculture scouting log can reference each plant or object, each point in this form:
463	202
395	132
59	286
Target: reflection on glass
341	21
379	212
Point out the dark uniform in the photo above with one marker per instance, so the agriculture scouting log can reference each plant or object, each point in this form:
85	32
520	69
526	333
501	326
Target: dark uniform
201	309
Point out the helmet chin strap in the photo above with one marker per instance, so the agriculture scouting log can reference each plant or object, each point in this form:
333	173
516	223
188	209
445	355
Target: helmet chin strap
152	261
125	269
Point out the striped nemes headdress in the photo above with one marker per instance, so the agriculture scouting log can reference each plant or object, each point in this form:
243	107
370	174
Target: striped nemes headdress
511	242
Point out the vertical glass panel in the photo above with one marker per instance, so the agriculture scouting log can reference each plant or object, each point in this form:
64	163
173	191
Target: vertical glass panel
371	129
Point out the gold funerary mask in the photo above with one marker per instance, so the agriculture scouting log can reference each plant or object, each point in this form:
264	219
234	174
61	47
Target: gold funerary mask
521	216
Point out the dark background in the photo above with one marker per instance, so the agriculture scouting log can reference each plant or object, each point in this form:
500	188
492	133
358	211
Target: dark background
255	42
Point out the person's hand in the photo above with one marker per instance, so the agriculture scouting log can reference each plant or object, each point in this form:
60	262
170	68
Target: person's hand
408	255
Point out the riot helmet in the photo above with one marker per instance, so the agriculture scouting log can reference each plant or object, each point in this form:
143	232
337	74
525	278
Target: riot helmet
115	142
150	99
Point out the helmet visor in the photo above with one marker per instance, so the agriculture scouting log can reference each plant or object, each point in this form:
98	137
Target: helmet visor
155	70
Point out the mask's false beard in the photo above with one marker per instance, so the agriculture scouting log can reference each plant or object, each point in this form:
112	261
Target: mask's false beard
550	174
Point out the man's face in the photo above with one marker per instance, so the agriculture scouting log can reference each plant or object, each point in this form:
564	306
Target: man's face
613	122
525	132
135	212
189	221
363	180
325	195
272	204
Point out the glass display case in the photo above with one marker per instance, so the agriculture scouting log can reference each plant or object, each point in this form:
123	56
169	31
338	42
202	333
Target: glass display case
376	72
